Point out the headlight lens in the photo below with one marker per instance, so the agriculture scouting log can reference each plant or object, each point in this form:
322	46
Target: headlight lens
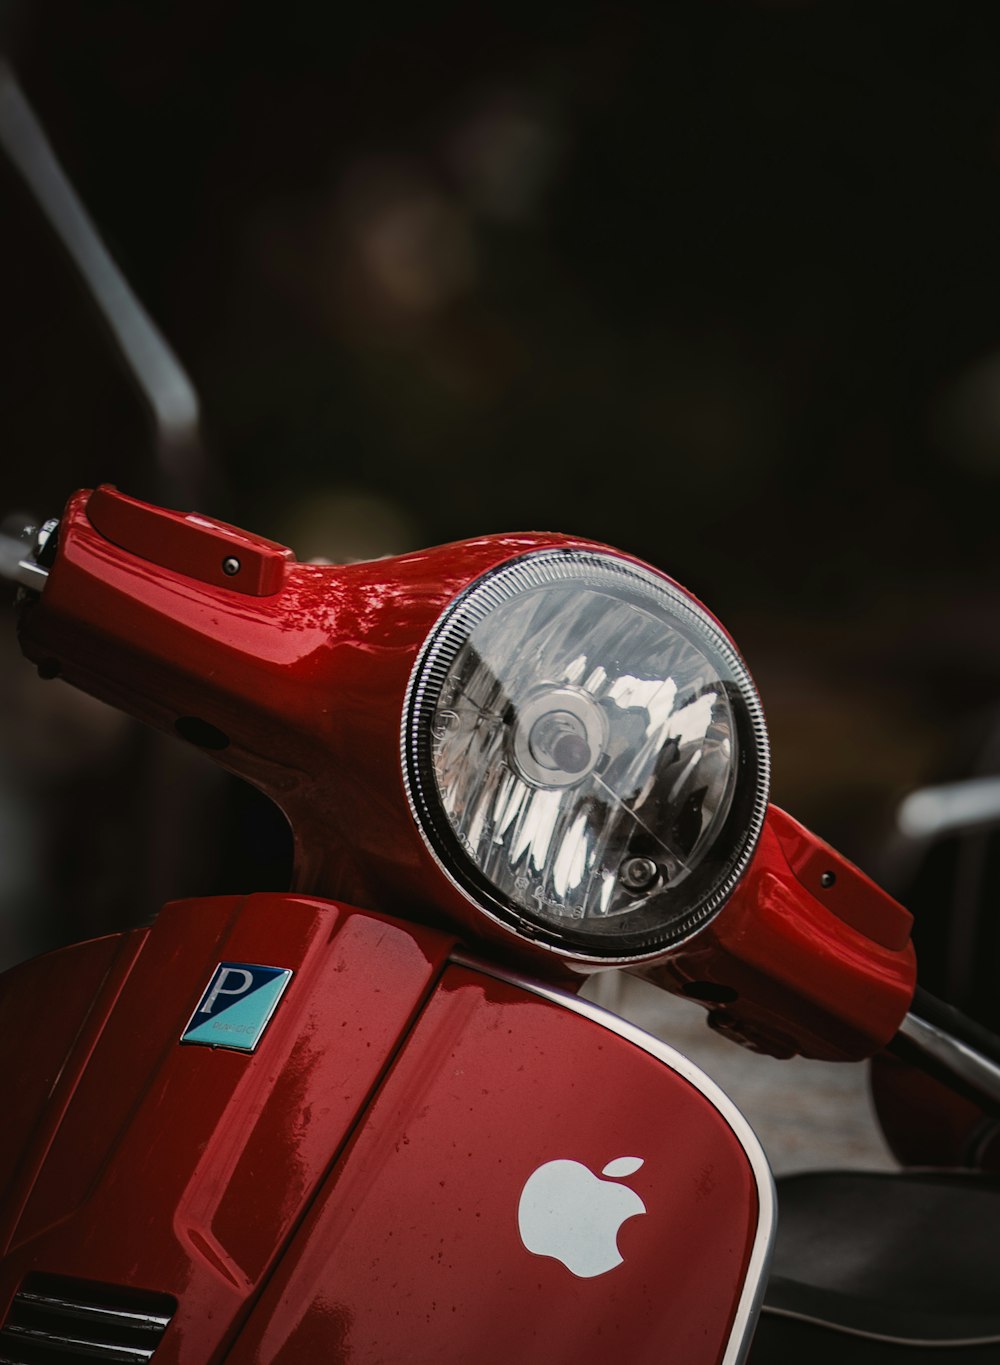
585	754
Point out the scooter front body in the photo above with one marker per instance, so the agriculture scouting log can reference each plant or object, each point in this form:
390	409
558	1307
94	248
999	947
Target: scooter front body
273	1128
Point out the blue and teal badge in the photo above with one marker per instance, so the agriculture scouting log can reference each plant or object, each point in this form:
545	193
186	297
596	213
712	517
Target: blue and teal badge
237	1006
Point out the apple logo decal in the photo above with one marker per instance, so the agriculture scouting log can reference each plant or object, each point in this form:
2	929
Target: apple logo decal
567	1212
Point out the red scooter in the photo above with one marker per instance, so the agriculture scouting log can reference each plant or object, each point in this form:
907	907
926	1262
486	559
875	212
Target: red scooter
370	1119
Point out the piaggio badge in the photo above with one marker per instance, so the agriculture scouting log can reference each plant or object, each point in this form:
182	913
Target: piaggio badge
237	1006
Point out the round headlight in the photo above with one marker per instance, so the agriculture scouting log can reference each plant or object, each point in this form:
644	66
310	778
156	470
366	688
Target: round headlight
585	754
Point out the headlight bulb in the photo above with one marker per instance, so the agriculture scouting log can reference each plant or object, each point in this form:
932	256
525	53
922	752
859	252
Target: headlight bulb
558	737
585	753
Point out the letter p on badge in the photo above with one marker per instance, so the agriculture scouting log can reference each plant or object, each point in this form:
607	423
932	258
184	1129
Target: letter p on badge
236	1006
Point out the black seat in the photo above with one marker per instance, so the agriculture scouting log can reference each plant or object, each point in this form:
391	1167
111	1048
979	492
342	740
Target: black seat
884	1267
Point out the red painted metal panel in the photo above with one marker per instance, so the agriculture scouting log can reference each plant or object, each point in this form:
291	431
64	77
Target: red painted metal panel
189	544
412	1251
52	1011
185	1169
804	976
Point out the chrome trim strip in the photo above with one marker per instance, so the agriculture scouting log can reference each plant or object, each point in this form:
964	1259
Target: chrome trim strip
82	1346
961	1060
752	1295
939	1342
93	1312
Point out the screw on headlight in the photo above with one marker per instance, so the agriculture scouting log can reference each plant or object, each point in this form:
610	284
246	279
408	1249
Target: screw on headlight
638	874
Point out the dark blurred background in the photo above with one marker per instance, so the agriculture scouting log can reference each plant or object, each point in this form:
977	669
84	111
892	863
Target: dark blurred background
715	283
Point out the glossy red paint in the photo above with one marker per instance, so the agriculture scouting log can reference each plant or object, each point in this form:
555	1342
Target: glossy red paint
825	972
185	1169
840	886
52	1011
362	1169
186	543
412	1251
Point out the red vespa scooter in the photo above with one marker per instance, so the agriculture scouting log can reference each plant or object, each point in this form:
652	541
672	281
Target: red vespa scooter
370	1120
